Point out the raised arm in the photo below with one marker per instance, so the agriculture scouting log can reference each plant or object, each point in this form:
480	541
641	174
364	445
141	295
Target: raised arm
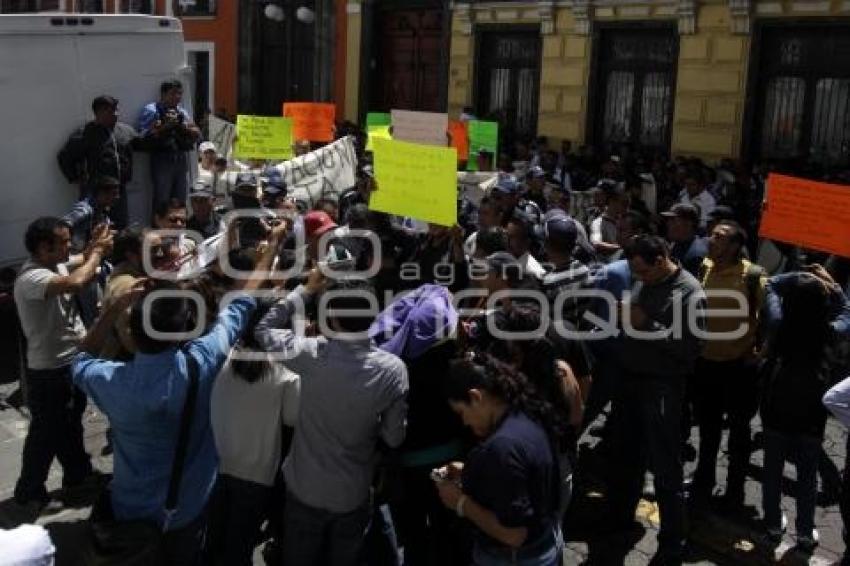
99	247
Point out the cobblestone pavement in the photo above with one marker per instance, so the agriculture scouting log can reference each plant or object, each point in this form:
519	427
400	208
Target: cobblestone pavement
716	539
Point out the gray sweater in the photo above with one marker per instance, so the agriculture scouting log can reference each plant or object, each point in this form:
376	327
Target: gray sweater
352	394
674	348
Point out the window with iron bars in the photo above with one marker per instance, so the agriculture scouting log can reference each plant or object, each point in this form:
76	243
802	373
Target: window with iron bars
138	7
804	94
24	6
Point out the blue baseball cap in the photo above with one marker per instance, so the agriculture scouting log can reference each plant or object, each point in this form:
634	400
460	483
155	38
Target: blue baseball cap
507	184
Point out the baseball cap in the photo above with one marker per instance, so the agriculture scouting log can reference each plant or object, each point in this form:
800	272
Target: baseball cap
507	184
207	146
682	210
106	181
561	227
505	265
274	185
317	222
536	172
722	212
201	189
245	179
610	186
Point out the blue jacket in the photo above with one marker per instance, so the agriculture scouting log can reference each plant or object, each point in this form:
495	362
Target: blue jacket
143	399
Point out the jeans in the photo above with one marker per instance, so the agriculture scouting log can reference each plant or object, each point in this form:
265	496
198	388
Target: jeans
844	502
427	529
56	430
804	452
724	388
605	374
170	175
565	467
647	413
380	547
183	546
314	537
237	512
547	550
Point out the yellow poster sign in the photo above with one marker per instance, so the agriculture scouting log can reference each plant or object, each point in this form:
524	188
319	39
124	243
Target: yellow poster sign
376	132
416	181
263	137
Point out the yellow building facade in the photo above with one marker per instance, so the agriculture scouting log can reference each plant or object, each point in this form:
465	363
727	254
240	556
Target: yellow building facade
712	75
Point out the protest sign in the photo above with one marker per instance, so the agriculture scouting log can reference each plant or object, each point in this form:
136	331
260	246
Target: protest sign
263	137
428	128
325	172
376	132
482	135
378	119
311	121
416	181
808	214
221	133
460	138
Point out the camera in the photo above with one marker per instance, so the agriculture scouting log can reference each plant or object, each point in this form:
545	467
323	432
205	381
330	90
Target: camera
172	117
439	475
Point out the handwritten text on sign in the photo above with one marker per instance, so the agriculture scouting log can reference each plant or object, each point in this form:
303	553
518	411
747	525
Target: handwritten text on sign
808	214
313	121
417	181
326	172
263	137
427	128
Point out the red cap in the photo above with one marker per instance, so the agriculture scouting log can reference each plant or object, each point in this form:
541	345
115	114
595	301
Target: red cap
317	222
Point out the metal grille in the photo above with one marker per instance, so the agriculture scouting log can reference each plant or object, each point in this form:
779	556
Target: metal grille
508	82
18	6
635	70
804	101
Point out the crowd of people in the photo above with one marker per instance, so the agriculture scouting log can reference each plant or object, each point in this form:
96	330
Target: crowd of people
416	397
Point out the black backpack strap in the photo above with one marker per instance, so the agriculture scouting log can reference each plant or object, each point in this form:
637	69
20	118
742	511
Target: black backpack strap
753	281
183	436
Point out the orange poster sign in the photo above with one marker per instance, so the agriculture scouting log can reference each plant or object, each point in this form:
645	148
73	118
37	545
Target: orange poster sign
312	121
460	139
808	214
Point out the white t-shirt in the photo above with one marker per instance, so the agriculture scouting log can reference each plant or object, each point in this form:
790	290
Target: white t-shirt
531	266
52	325
247	419
704	202
470	245
27	545
603	230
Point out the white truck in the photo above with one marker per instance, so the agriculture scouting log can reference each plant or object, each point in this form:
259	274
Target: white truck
51	67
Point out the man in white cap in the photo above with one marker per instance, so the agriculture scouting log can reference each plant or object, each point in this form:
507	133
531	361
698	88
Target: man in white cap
208	153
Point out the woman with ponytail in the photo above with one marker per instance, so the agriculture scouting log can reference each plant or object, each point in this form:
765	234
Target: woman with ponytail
509	486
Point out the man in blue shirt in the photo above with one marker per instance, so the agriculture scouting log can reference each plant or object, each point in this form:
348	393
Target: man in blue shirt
169	134
88	213
92	210
144	399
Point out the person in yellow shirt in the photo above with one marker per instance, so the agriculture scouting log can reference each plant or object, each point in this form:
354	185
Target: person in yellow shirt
726	378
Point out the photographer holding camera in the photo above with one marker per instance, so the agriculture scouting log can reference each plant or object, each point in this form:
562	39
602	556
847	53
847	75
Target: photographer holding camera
169	135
